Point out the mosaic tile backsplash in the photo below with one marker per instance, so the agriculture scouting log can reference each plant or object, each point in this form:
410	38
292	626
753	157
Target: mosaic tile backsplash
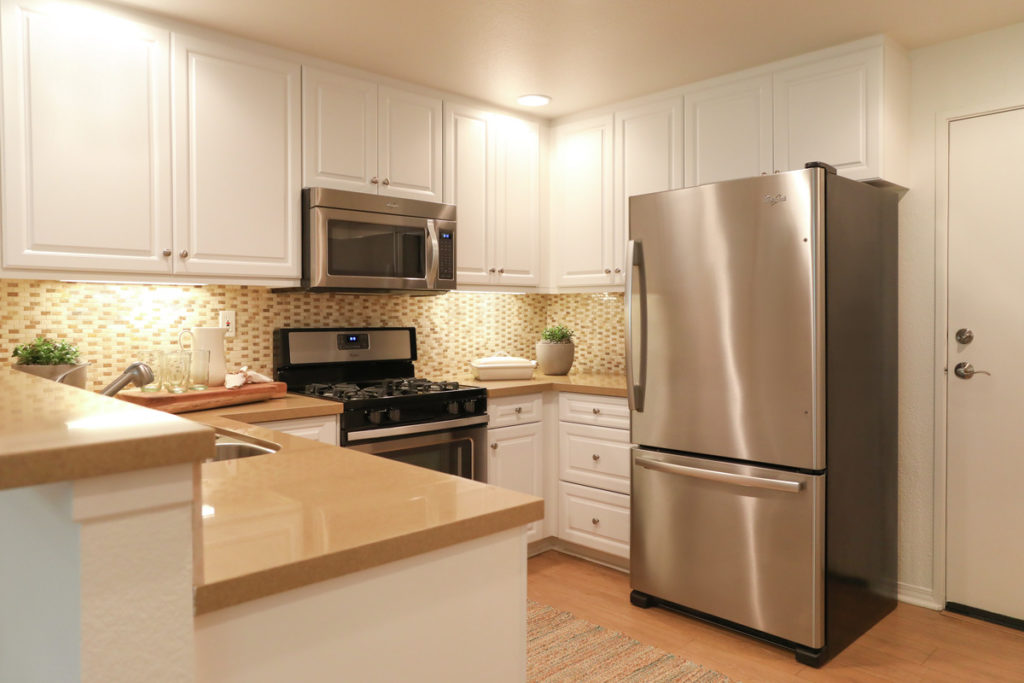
113	323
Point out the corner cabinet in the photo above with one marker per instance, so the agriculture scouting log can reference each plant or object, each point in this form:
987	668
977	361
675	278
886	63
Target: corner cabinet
364	137
87	141
492	170
237	160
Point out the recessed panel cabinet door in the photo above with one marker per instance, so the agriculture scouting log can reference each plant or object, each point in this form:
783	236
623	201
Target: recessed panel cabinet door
516	461
340	131
409	142
86	165
236	161
517	210
467	185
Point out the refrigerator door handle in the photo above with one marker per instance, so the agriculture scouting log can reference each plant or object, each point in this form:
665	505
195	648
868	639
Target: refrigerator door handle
635	263
723	477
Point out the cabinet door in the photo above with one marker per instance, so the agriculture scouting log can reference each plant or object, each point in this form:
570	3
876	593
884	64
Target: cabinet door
516	462
468	179
87	142
830	111
517	202
648	158
339	131
237	153
324	429
729	131
409	143
581	201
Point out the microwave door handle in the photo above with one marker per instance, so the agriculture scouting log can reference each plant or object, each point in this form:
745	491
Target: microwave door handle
433	254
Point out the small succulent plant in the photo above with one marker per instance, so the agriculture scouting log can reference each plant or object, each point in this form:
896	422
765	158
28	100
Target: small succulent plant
45	351
557	334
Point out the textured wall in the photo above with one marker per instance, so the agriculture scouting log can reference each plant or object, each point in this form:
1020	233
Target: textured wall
112	324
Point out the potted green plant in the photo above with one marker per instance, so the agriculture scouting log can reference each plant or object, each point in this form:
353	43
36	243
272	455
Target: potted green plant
555	350
51	358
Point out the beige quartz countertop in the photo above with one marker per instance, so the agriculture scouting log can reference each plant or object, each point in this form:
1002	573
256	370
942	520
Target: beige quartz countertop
52	432
604	385
312	512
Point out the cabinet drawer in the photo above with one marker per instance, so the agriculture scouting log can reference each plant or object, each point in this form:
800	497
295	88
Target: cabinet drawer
514	410
324	429
594	456
594	518
603	411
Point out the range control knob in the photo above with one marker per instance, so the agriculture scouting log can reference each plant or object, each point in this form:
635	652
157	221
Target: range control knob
452	407
469	406
394	414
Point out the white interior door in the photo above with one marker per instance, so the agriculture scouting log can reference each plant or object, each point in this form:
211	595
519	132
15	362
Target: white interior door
985	429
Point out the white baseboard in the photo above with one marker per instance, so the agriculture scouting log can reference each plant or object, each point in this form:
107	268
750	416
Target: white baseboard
922	596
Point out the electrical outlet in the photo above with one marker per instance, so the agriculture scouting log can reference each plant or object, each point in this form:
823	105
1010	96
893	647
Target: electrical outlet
227	319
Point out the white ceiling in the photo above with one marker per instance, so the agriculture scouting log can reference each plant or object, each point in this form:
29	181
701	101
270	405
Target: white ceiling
583	53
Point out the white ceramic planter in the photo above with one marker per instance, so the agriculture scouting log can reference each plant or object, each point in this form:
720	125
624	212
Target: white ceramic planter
75	379
555	359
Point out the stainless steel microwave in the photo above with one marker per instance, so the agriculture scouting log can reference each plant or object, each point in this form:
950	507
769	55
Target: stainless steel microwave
368	243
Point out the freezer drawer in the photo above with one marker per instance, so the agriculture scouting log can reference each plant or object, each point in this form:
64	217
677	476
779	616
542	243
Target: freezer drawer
739	542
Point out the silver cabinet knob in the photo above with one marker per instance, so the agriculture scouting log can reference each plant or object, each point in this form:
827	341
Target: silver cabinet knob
607	270
596	457
501	271
776	170
595	521
374	180
964	336
597	411
183	253
965	370
618	270
519	409
494	445
167	252
491	270
387	181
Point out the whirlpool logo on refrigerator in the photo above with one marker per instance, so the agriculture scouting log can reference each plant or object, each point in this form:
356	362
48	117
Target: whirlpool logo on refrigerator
774	199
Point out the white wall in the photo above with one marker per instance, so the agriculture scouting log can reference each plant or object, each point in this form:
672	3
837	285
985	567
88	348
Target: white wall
973	74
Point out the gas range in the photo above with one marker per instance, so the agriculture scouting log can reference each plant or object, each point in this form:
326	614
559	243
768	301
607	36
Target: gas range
370	371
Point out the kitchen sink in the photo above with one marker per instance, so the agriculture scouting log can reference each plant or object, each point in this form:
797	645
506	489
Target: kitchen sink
229	446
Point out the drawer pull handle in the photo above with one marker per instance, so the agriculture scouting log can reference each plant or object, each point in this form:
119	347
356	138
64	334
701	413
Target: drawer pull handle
597	411
519	409
596	457
595	521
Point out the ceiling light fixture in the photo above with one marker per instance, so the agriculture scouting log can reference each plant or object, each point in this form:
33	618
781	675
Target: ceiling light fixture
533	100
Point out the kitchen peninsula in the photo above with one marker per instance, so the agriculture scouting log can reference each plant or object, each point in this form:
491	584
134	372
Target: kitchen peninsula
320	560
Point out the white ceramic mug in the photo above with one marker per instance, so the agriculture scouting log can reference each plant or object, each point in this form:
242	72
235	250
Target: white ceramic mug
209	339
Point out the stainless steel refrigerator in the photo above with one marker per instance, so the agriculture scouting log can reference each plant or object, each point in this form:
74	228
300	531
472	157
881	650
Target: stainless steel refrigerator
761	363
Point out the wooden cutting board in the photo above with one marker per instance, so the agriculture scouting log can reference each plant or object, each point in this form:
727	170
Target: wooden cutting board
214	397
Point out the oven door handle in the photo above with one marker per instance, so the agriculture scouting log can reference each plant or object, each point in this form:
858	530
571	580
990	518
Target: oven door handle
420	428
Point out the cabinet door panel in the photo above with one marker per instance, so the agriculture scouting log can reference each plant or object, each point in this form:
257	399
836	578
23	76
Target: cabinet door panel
410	145
86	177
648	158
516	462
237	132
517	205
582	187
339	131
469	166
729	131
829	111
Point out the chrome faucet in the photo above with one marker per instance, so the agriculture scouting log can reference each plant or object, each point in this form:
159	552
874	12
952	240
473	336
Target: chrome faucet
138	373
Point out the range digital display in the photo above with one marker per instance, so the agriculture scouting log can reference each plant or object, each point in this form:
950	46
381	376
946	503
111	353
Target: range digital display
353	341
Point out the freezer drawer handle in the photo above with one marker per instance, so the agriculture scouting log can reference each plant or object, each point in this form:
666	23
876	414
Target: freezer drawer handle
724	477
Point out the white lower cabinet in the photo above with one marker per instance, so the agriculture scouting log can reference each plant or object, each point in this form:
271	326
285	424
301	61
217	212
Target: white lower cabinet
594	456
323	429
594	518
515	460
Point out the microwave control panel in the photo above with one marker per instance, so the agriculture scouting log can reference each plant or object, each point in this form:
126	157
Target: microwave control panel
446	258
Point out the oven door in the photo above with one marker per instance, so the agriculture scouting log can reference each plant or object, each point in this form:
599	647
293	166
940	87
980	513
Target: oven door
364	250
452	451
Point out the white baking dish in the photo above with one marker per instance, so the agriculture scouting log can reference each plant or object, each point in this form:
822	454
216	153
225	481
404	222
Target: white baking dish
503	367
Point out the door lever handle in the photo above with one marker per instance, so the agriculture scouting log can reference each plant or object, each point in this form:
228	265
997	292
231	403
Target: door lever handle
965	370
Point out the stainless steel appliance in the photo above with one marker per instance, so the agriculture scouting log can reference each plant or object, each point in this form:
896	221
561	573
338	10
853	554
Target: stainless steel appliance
388	412
363	242
761	361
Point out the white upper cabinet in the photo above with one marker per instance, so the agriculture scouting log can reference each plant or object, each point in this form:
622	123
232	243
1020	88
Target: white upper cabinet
339	131
648	158
365	137
492	167
729	131
236	160
86	164
582	203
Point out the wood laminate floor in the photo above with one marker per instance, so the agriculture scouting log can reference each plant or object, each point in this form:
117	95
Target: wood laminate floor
910	644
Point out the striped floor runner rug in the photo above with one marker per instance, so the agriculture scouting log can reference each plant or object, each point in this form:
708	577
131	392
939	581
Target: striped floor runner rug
561	647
